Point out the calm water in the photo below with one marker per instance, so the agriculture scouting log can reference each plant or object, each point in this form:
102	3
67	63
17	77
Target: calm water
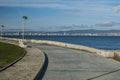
100	42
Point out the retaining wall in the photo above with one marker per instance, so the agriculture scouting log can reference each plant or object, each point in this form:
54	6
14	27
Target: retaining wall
104	53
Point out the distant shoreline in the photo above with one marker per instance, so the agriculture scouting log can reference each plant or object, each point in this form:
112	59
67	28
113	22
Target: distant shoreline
60	35
87	32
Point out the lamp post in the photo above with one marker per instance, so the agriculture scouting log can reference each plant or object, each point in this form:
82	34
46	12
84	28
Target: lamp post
2	26
23	25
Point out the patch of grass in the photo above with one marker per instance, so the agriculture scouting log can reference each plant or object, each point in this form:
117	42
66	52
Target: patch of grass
116	55
9	53
116	58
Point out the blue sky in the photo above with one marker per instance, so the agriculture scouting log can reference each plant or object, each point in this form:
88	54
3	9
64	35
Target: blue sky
57	15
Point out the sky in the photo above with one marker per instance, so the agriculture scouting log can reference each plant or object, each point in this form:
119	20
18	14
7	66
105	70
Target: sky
60	15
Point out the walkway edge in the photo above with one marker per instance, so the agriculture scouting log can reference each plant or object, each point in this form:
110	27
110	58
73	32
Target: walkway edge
43	68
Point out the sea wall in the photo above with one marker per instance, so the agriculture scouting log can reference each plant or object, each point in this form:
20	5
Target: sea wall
104	53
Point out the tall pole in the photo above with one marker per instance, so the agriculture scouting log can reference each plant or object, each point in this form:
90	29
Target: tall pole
1	30
23	24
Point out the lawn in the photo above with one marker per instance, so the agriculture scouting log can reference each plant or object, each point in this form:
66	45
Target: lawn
9	53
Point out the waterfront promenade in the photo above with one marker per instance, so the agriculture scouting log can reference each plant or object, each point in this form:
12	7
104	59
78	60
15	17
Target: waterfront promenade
70	64
25	69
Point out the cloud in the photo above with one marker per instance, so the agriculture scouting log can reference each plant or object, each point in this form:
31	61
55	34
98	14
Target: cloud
43	5
108	24
56	4
116	8
73	26
27	1
76	7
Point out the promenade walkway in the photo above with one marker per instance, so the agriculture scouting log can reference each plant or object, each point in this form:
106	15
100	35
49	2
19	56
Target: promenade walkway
25	69
69	64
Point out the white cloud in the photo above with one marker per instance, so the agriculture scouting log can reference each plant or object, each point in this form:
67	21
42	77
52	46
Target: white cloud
27	1
41	5
73	26
78	6
116	8
35	5
108	24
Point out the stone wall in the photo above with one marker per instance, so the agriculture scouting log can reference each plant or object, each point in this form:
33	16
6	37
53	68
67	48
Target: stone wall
104	53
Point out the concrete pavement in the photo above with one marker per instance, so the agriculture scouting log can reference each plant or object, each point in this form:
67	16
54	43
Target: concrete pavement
69	64
27	68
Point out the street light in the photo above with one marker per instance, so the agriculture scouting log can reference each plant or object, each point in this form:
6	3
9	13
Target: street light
23	24
2	26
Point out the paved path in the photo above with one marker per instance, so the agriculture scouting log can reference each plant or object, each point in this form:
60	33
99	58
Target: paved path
25	69
69	64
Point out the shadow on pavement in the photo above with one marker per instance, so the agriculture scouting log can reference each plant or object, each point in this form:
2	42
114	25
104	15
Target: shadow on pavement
41	73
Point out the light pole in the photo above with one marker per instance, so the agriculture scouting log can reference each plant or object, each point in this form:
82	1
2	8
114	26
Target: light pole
2	26
23	24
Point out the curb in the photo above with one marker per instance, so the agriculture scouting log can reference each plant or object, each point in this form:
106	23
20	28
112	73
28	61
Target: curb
43	69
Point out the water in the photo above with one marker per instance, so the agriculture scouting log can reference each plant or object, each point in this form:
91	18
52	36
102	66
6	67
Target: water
99	42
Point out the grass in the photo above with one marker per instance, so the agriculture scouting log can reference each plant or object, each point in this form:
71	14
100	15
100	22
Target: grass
9	53
116	57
